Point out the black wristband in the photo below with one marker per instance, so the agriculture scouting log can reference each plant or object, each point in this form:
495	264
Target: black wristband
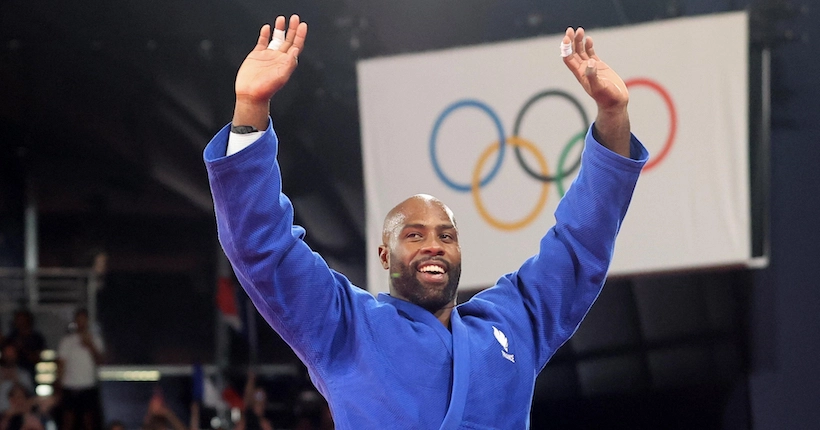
243	129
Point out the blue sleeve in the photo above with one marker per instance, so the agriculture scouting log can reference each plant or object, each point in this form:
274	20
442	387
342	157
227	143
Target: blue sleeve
552	291
292	287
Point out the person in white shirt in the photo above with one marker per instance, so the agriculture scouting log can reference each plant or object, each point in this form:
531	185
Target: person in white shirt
79	354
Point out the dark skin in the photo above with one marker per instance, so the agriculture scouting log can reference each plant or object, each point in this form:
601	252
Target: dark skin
420	249
265	71
608	90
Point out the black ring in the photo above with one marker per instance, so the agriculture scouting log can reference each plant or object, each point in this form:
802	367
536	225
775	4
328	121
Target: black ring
520	117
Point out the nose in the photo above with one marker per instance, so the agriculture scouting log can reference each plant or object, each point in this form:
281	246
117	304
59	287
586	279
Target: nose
432	246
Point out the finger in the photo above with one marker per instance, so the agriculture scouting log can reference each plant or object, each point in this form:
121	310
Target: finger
264	35
280	23
578	46
569	35
291	34
589	49
301	34
278	33
591	73
573	61
566	43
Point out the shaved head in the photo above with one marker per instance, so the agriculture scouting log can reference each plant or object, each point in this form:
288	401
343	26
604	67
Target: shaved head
396	217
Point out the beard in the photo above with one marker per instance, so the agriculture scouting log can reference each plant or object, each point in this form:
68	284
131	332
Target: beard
429	297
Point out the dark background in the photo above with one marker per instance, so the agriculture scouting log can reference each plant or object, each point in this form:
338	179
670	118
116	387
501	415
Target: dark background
105	107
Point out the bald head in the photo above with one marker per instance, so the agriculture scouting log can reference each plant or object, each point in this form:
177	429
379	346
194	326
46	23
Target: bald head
395	219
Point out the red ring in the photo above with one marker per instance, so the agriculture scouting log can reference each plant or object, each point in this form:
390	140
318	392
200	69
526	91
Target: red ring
673	118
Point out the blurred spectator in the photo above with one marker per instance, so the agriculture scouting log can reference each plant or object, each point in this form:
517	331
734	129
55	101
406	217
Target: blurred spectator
254	404
159	416
29	342
19	415
79	354
11	374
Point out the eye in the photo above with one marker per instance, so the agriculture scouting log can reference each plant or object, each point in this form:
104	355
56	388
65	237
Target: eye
447	237
413	235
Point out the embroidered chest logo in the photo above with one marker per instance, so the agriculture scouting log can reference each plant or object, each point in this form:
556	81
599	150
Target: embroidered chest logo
502	339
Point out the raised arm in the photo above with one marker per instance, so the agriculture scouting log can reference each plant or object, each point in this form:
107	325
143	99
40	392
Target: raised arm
291	286
604	86
266	69
557	287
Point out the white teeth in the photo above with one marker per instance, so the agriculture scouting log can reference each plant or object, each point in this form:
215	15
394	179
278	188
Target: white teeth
432	269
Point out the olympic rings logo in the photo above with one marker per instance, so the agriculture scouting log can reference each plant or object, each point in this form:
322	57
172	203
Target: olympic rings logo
542	173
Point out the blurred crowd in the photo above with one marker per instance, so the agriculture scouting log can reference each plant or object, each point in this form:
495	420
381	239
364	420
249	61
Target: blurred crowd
73	400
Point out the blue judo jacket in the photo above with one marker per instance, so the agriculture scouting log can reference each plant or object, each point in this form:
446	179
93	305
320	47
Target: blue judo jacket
383	363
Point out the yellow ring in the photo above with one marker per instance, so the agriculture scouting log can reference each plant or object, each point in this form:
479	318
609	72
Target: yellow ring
512	225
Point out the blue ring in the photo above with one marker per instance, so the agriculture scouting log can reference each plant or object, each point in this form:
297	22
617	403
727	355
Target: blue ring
501	144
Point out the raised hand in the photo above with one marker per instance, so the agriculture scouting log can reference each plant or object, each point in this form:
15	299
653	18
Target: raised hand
599	81
266	69
604	86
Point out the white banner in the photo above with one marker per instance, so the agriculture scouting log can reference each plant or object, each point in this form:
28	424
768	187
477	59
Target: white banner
431	123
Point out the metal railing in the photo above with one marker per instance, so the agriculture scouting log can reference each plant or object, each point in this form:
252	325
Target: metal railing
45	288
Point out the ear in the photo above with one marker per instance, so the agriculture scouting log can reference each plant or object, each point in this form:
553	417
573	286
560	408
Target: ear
384	256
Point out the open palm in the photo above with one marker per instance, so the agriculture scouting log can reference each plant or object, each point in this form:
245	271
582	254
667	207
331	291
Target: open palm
600	82
266	70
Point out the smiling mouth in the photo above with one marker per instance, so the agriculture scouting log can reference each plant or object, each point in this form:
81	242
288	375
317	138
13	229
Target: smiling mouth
432	272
